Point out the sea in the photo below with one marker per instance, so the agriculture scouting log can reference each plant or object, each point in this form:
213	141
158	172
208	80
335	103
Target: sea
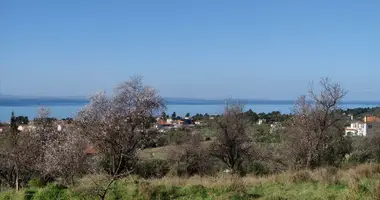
62	108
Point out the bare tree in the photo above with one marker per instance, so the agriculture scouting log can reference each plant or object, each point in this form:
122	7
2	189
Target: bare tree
17	155
316	126
114	125
233	145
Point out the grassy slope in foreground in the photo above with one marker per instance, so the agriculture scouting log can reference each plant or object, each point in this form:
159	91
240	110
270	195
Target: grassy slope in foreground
361	182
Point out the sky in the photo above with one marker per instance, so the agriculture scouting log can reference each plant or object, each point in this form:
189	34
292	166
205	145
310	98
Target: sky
201	49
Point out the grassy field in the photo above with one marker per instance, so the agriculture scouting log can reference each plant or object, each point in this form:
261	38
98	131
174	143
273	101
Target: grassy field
163	153
360	182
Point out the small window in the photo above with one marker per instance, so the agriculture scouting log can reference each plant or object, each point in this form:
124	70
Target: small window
370	126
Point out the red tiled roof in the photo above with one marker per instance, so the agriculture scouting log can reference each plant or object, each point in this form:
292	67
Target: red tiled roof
372	119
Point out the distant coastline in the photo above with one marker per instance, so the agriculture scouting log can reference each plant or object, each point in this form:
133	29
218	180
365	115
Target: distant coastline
15	101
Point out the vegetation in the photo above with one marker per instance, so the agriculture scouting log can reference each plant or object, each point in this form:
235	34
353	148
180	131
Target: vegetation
111	151
361	182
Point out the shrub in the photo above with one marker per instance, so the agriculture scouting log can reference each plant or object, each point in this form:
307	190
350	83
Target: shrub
191	160
257	169
36	183
52	191
89	186
29	194
152	168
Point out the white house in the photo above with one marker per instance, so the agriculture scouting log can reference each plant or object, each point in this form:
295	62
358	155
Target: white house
169	121
368	127
357	128
261	121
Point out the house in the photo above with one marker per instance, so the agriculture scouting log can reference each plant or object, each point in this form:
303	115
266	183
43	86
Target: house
169	121
161	122
369	126
357	128
261	121
3	128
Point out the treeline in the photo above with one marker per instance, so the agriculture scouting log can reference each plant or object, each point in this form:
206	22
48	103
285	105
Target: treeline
109	134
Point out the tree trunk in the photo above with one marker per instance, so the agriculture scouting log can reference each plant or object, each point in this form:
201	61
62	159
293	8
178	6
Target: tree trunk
17	178
309	158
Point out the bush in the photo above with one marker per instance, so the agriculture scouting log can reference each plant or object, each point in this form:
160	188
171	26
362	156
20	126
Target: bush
36	183
52	192
257	169
189	160
29	194
152	168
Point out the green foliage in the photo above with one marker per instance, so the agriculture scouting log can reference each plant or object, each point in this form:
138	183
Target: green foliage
252	116
275	116
29	193
359	113
198	117
174	116
52	191
11	195
22	120
164	116
335	154
262	135
36	182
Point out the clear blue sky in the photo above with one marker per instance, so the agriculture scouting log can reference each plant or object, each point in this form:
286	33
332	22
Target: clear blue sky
211	49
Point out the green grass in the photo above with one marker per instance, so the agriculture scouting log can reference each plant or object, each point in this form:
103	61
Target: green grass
362	182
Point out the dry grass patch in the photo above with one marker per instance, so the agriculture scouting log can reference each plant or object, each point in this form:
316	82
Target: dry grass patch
301	176
220	181
328	175
366	170
376	190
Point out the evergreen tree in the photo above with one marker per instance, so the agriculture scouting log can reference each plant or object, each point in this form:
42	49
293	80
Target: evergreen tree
13	123
174	116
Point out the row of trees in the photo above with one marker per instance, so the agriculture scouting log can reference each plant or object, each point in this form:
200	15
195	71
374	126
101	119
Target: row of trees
253	117
107	135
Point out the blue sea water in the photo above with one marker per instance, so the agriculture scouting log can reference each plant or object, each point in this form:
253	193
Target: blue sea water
69	108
